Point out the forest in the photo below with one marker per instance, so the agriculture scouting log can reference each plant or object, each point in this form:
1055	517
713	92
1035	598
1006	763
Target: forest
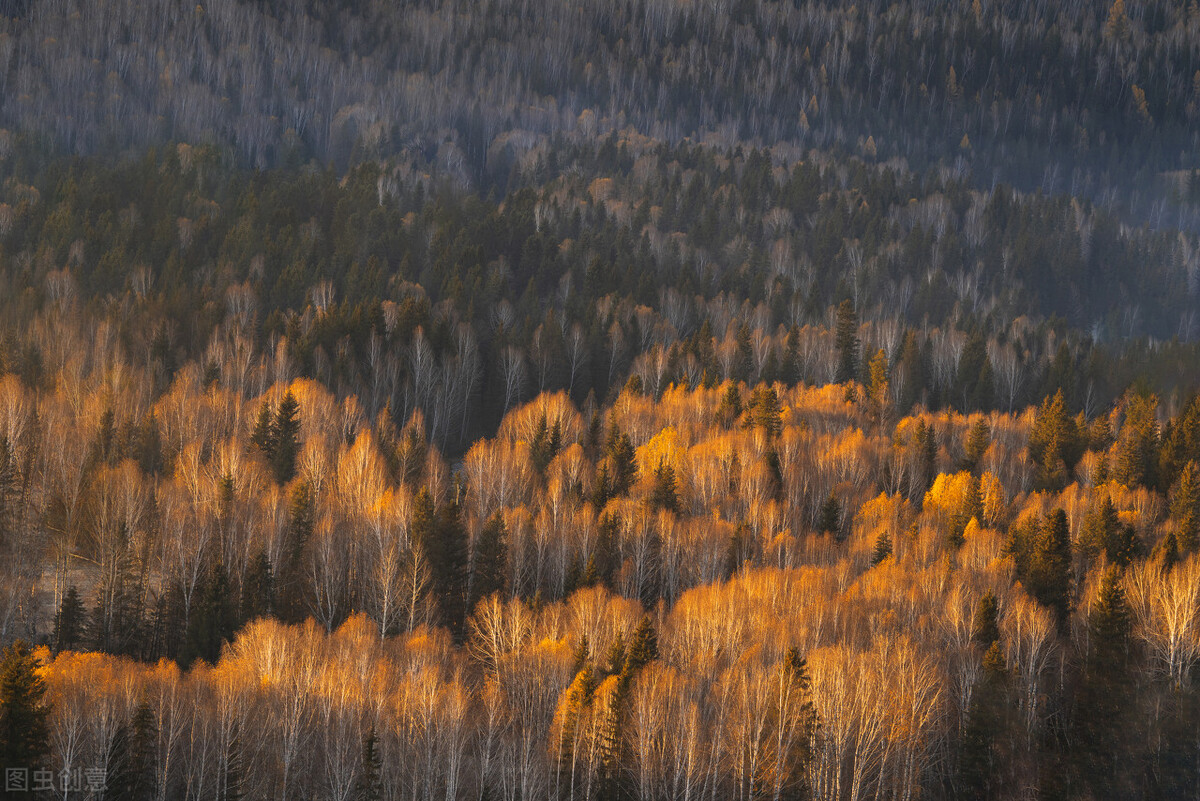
599	400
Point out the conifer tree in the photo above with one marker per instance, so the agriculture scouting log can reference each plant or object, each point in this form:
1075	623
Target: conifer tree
882	549
369	785
132	757
285	439
977	768
68	623
24	711
1050	566
258	589
663	496
846	342
490	560
985	625
1185	507
1137	444
831	516
978	440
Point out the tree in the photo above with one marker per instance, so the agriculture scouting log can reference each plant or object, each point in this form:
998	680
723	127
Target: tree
1185	506
132	757
831	516
882	549
369	785
285	439
1137	444
490	562
765	411
985	625
846	342
1050	566
664	496
878	389
24	711
68	623
978	772
1055	444
258	589
978	440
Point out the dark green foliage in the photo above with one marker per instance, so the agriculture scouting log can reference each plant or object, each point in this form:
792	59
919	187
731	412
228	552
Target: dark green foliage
978	440
24	711
1049	571
490	560
602	564
846	342
830	521
643	648
369	784
765	411
1185	506
285	439
1137	444
69	622
664	496
882	549
258	589
442	539
1055	444
623	471
979	757
213	618
985	625
730	408
132	757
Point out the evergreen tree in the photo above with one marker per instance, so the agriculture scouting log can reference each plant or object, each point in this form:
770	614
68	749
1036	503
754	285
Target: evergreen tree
263	437
978	772
1137	445
846	342
985	625
68	623
491	560
369	785
878	388
882	549
1185	506
624	464
663	496
1050	566
978	440
1055	444
24	711
258	589
730	408
796	762
132	757
831	516
285	439
289	578
643	648
765	411
213	618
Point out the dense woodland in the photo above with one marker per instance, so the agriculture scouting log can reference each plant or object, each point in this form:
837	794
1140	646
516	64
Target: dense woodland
602	400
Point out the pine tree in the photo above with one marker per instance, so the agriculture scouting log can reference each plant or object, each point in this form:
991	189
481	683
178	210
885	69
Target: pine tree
1185	506
978	775
68	623
285	438
831	516
878	388
258	589
289	576
663	496
846	341
796	762
132	757
985	625
624	464
883	548
765	411
24	711
1050	566
263	437
491	560
1137	445
369	785
643	649
730	408
978	440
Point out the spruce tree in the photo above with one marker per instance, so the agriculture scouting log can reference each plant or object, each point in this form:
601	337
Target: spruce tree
831	516
985	625
490	560
882	549
978	440
258	589
663	496
1050	566
68	623
24	711
369	785
846	342
1185	506
285	438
